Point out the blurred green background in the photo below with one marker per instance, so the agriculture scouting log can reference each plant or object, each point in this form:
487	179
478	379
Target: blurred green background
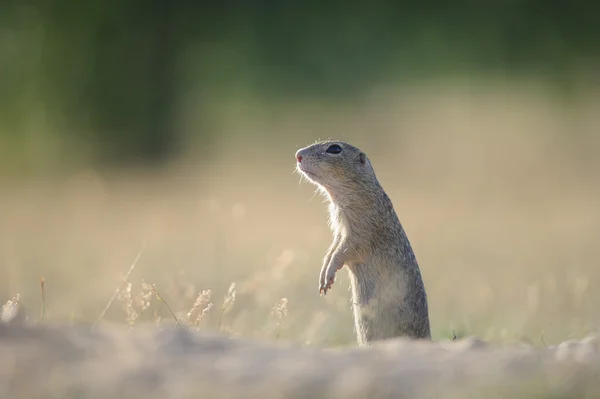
116	79
174	123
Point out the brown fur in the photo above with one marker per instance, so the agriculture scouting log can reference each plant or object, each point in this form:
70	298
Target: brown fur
388	294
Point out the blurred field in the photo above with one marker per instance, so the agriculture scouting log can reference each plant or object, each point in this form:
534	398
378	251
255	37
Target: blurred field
496	185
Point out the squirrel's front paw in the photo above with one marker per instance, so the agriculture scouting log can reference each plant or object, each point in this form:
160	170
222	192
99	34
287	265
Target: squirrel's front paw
327	281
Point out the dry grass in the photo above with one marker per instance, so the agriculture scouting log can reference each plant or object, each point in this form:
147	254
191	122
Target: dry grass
497	189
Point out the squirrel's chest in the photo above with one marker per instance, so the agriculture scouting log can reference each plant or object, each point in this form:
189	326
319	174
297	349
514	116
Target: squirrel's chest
336	218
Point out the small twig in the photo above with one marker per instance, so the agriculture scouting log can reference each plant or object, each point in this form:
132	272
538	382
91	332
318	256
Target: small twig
43	311
453	336
542	335
160	298
221	313
114	296
542	339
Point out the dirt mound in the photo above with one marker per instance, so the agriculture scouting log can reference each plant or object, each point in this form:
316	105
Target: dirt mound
43	361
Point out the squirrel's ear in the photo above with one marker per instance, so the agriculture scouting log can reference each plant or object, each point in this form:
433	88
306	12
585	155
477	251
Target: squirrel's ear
362	157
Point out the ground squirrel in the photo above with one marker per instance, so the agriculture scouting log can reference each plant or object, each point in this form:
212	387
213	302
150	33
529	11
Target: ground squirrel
388	294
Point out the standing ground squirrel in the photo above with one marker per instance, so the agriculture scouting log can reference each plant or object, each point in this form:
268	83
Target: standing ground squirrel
388	294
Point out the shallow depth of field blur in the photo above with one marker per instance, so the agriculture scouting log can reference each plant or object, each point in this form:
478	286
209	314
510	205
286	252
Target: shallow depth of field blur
171	128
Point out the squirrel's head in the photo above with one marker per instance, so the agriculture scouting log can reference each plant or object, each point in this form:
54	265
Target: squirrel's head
335	166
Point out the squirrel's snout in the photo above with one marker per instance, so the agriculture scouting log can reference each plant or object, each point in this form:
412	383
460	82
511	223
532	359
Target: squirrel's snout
298	156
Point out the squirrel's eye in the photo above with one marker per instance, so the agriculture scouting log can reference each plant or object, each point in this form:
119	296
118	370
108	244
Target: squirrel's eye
334	149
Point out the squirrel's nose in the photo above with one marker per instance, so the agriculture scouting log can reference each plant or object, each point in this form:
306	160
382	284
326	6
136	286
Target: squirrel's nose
298	156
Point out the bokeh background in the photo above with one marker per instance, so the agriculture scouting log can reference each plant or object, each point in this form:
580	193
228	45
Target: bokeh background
172	125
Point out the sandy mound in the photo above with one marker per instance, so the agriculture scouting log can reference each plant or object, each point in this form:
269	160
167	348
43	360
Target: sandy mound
114	362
